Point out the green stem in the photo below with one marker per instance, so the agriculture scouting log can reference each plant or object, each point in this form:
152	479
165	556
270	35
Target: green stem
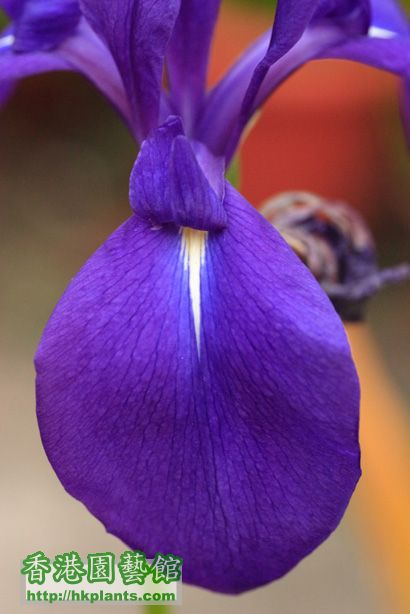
233	174
3	19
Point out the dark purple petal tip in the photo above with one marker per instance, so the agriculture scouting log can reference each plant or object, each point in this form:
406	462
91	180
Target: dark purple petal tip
43	25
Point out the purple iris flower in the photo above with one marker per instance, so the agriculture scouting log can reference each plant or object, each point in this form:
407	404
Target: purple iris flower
195	386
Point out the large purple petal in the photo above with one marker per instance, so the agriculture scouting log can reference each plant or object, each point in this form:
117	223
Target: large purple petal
196	392
137	32
187	57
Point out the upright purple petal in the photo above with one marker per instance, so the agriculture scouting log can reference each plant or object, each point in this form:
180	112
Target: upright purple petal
187	57
379	47
196	392
219	124
291	20
137	33
234	100
336	30
292	17
169	185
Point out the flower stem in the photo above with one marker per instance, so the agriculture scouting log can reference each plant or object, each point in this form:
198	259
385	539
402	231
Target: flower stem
233	174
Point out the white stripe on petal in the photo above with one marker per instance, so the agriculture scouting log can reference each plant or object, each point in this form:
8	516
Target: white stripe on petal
7	41
193	251
376	32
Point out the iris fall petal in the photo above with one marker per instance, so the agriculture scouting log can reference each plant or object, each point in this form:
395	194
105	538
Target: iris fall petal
197	393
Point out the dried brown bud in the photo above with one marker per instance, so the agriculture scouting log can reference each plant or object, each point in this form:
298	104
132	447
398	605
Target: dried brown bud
332	239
